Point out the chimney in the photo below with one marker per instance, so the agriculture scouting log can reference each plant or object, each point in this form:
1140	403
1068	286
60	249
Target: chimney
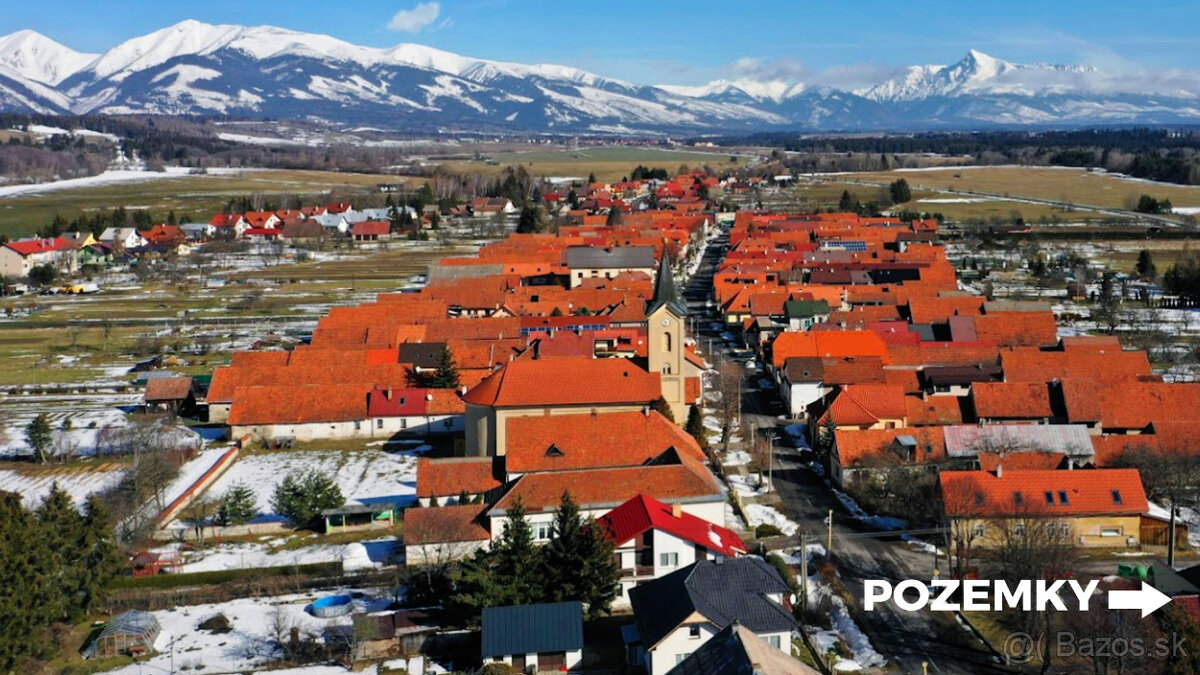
646	410
999	471
677	510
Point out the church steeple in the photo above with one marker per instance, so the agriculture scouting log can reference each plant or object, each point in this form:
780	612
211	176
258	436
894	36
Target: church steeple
665	293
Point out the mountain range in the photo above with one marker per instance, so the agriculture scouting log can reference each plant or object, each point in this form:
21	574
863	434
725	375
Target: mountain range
195	68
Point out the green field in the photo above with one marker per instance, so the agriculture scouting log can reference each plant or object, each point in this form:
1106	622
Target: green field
195	197
608	163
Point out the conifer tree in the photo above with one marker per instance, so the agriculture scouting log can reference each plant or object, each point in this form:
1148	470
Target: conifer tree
446	375
39	435
60	527
100	558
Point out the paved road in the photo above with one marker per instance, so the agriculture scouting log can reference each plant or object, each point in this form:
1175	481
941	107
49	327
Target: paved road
906	638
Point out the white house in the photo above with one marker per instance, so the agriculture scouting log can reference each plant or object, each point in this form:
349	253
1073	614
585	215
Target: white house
334	223
17	258
678	613
546	637
653	539
122	237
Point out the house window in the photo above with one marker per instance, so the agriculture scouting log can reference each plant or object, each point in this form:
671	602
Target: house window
379	423
447	422
403	423
666	342
357	425
694	632
1018	499
1110	532
1062	498
680	658
773	640
1049	498
979	530
668	559
1116	495
1064	529
541	531
1019	529
1051	530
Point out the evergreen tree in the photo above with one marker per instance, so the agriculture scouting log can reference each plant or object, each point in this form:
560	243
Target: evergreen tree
614	217
695	426
99	555
24	576
1145	265
573	199
301	498
60	528
446	375
237	506
578	563
528	222
900	192
591	178
663	408
39	435
505	574
846	203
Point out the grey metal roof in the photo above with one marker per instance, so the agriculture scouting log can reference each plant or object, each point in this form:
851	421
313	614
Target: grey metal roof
532	629
422	354
722	591
616	257
969	440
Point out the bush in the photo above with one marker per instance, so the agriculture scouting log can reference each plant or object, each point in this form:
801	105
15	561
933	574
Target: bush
216	624
497	669
765	530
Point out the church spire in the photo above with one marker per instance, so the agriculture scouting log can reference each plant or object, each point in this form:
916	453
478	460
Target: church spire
664	289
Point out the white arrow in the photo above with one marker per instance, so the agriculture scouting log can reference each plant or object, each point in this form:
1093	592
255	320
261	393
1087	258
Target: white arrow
1147	598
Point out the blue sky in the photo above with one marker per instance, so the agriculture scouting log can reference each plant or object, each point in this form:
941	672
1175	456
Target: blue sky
837	43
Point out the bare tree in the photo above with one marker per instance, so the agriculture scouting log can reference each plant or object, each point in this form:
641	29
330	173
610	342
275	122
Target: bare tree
729	403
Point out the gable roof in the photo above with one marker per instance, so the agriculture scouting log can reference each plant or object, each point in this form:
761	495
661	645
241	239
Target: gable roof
28	247
1011	400
688	481
168	388
450	476
1087	492
556	381
642	513
444	525
592	440
722	592
866	404
736	650
615	257
532	629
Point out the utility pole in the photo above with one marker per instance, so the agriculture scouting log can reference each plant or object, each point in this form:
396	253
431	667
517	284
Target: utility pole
1171	537
829	544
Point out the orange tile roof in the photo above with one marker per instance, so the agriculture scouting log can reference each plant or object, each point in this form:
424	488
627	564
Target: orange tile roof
291	404
1011	400
556	381
864	404
864	447
444	524
827	343
1105	364
609	487
1130	404
563	442
1087	492
933	410
449	477
1011	329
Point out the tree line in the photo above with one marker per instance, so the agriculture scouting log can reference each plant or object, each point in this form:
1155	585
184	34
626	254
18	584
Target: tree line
54	564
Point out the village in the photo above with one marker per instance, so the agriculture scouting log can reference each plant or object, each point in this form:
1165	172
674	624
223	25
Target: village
645	426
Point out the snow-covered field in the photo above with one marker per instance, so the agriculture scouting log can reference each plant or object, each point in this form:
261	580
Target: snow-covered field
251	643
354	556
369	476
759	514
106	178
78	482
92	430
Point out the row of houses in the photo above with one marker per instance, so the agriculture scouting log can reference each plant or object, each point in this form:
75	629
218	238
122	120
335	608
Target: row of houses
574	373
861	325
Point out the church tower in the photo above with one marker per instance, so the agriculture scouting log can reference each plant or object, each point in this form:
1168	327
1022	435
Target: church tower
665	316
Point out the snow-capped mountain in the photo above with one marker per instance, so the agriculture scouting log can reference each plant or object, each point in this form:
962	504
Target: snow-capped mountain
38	58
264	71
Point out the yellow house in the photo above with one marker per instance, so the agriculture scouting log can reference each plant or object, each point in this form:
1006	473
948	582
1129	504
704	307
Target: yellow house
1094	508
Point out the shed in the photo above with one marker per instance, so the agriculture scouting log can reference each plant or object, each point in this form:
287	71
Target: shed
546	636
170	393
133	632
358	514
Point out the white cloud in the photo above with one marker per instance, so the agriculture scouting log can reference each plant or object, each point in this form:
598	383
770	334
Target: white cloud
416	19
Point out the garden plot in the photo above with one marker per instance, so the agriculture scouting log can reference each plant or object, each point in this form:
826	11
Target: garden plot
355	556
80	430
250	645
368	476
34	484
